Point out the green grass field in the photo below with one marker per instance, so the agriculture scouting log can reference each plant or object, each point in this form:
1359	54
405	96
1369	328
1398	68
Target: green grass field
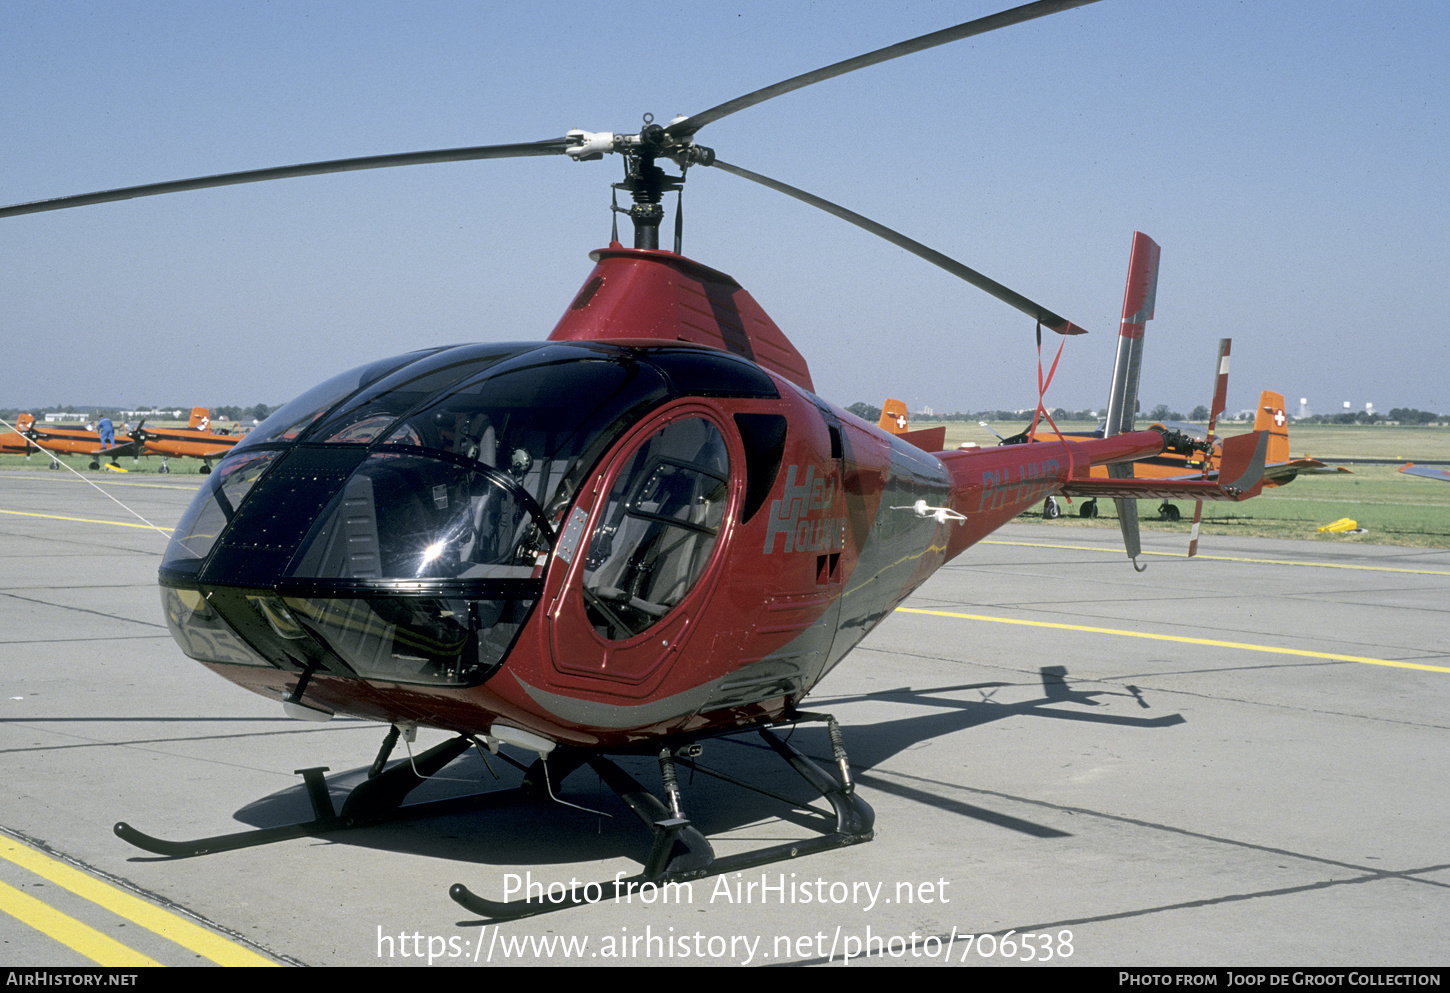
150	465
1393	508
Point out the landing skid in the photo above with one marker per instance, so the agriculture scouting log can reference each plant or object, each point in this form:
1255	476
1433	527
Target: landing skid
678	853
374	801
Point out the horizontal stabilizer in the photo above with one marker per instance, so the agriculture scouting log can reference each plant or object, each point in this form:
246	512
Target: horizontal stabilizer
927	439
1243	464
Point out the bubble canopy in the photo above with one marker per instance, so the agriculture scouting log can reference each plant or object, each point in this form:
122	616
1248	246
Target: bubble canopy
395	522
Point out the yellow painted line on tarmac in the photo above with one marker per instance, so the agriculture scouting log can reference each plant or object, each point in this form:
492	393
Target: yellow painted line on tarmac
1227	558
98	481
1180	639
185	933
86	520
68	931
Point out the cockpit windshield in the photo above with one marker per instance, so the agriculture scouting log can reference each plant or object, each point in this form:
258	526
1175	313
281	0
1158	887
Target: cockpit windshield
395	522
542	419
462	463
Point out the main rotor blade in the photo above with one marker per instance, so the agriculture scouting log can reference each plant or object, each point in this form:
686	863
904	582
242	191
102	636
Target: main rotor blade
981	25
1012	298
551	146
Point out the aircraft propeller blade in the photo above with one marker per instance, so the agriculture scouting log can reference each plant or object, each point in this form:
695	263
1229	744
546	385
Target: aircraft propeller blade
551	146
1036	311
1017	15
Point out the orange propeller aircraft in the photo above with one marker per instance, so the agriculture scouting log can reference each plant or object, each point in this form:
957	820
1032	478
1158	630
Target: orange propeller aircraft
17	442
78	441
196	441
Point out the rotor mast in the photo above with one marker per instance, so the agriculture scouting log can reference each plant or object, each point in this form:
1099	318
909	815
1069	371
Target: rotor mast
644	181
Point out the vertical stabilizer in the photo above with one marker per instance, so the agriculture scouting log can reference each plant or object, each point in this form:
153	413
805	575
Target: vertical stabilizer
1274	419
893	417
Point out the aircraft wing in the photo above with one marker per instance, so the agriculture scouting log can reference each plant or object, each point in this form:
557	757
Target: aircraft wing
1279	473
1428	471
1155	489
120	448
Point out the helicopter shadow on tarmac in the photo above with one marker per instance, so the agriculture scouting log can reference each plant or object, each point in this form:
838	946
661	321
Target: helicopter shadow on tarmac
876	744
592	824
584	822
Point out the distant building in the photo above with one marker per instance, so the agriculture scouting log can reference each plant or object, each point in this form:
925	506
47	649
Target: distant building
132	415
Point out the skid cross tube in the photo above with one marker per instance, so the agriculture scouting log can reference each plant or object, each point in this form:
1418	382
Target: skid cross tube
680	853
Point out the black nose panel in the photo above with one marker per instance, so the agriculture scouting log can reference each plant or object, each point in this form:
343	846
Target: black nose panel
266	532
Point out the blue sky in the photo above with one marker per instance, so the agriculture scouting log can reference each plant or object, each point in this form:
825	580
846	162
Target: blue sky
1290	159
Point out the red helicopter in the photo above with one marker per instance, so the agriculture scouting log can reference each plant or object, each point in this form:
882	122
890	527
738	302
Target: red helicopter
642	533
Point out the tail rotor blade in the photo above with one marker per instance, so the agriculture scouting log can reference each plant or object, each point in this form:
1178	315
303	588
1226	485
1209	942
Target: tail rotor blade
1138	302
1193	535
1220	401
